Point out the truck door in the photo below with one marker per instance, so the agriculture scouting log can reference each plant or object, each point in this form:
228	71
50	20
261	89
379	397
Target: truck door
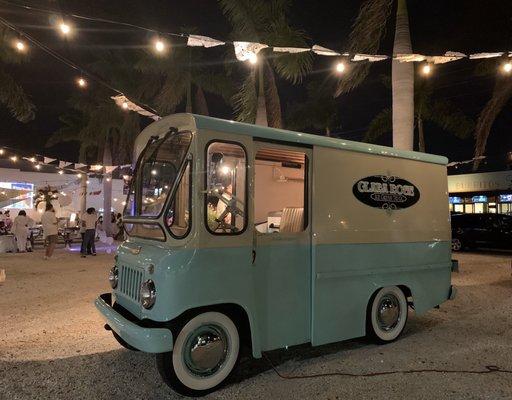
282	243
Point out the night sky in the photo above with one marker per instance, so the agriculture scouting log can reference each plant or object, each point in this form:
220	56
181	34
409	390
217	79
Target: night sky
468	26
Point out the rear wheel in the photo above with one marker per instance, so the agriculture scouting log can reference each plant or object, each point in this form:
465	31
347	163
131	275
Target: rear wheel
456	244
387	314
205	353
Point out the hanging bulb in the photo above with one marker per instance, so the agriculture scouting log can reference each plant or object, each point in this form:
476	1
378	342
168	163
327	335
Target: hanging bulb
81	82
340	67
20	46
426	69
125	105
64	28
507	67
37	166
13	158
61	172
253	58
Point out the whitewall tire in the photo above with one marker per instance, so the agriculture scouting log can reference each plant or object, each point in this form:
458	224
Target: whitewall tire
387	314
205	352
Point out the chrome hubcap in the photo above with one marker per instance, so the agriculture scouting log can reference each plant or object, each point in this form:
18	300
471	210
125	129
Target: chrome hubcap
206	350
456	244
388	312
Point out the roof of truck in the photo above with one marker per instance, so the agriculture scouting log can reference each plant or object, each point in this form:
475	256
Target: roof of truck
221	125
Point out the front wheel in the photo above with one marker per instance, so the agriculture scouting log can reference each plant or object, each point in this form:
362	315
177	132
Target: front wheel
387	314
205	353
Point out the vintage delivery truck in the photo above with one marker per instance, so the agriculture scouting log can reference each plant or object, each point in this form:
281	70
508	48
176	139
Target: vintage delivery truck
247	235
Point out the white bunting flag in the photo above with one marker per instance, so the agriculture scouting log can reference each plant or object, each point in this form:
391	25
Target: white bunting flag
478	56
247	50
110	168
64	164
292	50
369	57
203	41
48	160
410	57
96	167
323	51
78	165
449	56
125	103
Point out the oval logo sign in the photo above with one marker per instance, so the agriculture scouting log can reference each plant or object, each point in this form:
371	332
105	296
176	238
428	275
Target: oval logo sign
386	192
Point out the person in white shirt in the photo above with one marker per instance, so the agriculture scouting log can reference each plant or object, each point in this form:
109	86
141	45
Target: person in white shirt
20	228
50	229
89	223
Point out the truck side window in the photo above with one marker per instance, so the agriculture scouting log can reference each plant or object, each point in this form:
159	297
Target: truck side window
177	218
225	198
280	191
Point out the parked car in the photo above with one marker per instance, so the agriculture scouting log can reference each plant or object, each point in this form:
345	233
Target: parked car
481	230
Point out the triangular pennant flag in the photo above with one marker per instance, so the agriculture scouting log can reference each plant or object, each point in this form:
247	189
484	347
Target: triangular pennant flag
292	50
410	57
63	164
247	50
123	102
369	57
203	41
78	165
48	160
110	168
323	51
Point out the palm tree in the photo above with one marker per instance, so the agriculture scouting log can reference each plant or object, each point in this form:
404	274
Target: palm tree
442	113
99	125
501	95
367	33
181	77
319	112
12	94
264	21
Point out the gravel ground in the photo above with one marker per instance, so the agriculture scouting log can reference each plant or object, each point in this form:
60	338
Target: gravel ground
53	345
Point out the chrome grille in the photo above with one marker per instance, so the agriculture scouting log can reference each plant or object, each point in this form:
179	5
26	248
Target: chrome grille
130	280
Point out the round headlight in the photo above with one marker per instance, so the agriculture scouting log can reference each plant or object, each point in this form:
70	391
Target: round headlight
113	277
147	294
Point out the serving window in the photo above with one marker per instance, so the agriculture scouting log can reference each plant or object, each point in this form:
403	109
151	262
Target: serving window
280	190
226	192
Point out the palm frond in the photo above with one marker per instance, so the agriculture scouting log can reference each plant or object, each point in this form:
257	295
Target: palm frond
500	96
367	33
451	119
246	17
214	82
381	124
245	101
15	99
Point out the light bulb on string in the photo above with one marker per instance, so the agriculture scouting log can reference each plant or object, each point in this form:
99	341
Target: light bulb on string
2	151
159	46
253	58
20	46
32	159
426	69
340	67
61	172
65	28
81	82
507	67
37	166
87	181
78	175
125	105
13	158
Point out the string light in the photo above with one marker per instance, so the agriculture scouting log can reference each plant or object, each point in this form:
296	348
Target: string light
2	151
65	28
14	158
253	58
20	46
125	105
426	69
108	179
507	67
340	67
78	175
61	172
81	82
87	181
32	159
159	46
37	166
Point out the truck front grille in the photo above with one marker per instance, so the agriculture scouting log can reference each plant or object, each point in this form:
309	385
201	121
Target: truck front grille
130	280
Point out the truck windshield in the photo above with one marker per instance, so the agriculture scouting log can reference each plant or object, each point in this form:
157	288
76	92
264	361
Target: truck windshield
156	173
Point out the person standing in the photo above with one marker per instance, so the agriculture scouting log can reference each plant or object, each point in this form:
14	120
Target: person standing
50	229
20	228
89	223
8	220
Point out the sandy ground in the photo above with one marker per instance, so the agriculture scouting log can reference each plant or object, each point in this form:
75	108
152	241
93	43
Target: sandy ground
53	345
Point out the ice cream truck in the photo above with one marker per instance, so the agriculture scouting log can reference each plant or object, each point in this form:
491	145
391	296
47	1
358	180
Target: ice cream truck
244	235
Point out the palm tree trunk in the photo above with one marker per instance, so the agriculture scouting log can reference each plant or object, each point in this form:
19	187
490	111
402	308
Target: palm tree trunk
272	101
421	136
107	190
403	83
261	110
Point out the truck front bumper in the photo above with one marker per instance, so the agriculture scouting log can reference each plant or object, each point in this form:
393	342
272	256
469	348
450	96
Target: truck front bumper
149	340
